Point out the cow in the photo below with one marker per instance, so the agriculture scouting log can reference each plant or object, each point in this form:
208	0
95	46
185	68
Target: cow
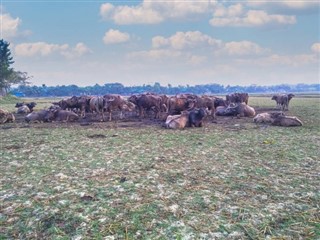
23	109
178	104
6	117
267	117
61	116
237	98
38	116
116	102
206	102
240	110
196	117
81	104
30	105
177	121
277	119
97	105
282	100
145	102
287	121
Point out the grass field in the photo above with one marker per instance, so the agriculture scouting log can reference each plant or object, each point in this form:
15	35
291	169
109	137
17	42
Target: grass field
228	180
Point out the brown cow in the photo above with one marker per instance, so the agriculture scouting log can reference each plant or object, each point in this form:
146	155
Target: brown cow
146	102
116	102
287	121
240	110
267	117
178	104
237	98
61	116
6	116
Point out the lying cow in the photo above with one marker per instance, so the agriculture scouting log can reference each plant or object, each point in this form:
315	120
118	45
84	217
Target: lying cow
62	116
277	119
6	117
267	117
23	109
177	121
238	109
287	121
196	117
39	116
30	105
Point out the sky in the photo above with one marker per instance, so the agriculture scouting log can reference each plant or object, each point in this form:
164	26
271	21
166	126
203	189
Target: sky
183	42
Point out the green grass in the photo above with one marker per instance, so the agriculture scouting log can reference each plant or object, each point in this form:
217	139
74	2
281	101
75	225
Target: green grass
235	180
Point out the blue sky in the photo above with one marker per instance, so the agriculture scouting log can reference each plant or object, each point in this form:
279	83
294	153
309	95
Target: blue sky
170	42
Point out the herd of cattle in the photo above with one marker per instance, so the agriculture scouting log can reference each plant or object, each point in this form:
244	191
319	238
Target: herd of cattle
178	111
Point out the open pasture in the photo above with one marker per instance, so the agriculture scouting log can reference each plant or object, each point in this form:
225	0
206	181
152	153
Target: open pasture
231	179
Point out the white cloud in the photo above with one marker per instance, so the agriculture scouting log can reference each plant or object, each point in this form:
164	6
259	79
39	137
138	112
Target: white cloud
277	60
156	54
79	50
115	36
242	48
253	18
289	4
316	47
45	49
9	26
182	40
231	11
153	12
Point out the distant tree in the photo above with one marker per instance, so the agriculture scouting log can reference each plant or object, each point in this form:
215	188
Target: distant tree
8	76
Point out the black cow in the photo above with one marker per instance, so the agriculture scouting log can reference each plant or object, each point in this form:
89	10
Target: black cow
196	117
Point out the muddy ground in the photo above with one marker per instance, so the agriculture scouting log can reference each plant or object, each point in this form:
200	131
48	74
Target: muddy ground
129	120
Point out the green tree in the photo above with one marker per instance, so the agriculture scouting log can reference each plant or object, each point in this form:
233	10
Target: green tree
8	76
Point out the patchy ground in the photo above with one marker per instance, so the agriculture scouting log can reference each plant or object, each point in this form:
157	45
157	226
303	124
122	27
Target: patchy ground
134	179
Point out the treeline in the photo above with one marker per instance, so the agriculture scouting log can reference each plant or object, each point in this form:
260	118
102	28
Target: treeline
118	88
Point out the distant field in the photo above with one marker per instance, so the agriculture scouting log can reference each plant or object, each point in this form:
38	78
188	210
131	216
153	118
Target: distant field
231	179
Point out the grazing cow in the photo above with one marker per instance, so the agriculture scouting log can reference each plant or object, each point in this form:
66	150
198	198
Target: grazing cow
39	116
282	100
6	117
177	121
23	109
116	102
145	102
267	117
97	105
61	116
196	117
240	110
